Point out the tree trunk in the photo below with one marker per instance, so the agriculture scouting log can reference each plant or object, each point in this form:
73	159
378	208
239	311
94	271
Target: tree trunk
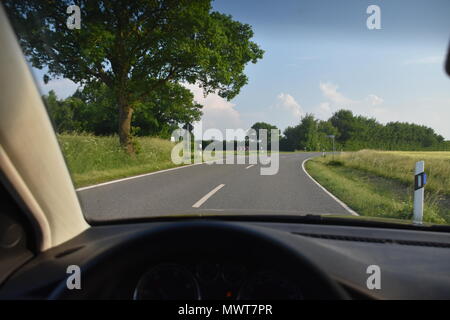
125	113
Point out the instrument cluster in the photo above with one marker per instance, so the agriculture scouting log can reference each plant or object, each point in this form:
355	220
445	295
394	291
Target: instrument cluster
213	280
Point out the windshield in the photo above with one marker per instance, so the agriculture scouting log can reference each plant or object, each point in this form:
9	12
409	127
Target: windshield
248	108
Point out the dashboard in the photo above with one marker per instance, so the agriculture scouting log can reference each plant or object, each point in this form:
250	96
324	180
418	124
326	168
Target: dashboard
207	259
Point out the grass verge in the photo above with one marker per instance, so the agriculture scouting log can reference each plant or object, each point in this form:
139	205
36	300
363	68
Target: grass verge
93	159
399	166
361	186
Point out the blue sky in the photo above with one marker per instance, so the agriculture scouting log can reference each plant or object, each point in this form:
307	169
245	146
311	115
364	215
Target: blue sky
321	57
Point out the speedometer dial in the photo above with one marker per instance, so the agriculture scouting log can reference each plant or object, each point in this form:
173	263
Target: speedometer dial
268	285
167	282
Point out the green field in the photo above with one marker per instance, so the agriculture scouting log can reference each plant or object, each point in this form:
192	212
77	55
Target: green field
92	159
380	183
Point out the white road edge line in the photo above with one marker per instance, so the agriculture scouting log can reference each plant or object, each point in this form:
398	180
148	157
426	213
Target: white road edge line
140	176
250	166
353	213
207	196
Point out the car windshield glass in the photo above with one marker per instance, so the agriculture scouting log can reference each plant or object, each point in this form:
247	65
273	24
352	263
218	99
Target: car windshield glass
249	108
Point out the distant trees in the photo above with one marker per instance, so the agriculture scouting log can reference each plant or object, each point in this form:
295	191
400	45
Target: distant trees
265	126
359	132
311	135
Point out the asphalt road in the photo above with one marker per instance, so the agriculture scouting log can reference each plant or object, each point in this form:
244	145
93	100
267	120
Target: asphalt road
212	189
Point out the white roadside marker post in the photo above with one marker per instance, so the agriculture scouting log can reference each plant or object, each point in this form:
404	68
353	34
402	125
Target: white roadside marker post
420	179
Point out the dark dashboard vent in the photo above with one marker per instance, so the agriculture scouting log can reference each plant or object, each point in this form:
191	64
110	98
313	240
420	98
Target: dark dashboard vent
375	240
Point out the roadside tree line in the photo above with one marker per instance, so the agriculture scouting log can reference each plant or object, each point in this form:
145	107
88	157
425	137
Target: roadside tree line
356	132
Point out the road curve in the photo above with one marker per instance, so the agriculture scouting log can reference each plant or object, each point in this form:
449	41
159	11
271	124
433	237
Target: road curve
212	188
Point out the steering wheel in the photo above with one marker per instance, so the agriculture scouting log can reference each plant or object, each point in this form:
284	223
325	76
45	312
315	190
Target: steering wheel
208	238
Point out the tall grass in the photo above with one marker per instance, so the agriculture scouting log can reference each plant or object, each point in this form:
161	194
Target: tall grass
380	183
399	165
93	159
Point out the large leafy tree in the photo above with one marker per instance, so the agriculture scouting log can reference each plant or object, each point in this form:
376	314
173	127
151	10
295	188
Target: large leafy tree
266	126
158	114
136	46
345	122
291	139
166	109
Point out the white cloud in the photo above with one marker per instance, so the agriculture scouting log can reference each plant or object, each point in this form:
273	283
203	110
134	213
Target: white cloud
425	60
288	103
368	106
218	113
329	90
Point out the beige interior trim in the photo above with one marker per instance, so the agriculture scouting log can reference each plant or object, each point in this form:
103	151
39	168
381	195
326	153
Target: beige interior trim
39	220
30	154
